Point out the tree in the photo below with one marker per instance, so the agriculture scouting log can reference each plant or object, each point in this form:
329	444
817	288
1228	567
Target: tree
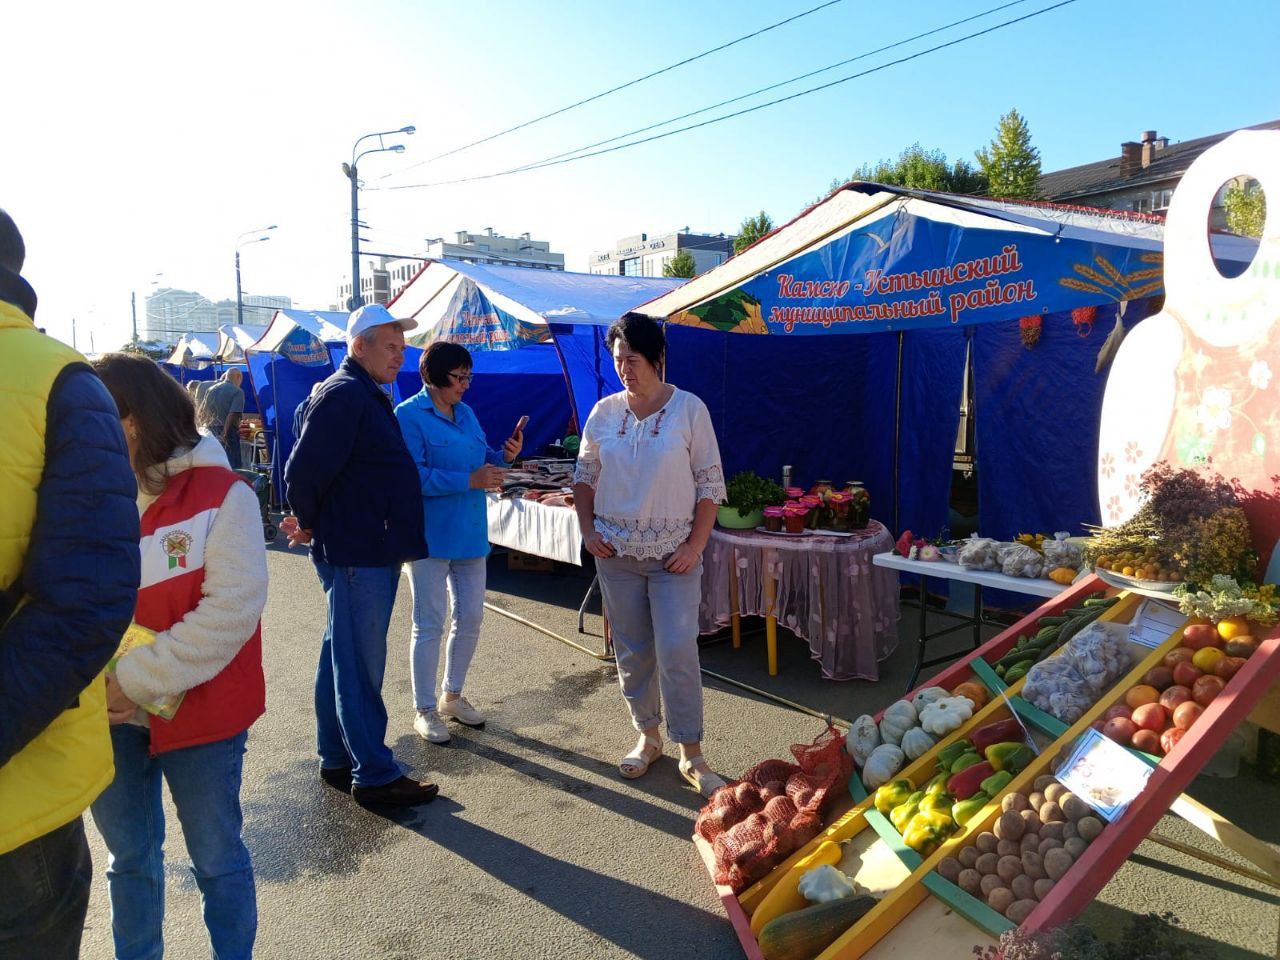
681	265
1246	208
752	229
1010	163
921	169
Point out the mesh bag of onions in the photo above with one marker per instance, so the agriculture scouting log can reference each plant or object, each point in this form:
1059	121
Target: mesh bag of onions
777	806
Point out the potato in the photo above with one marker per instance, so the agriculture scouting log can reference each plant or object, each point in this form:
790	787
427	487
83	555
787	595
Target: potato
968	856
1007	868
1023	888
1056	863
1007	848
1074	846
1050	812
1000	899
1019	910
1042	782
1089	828
1052	831
1047	844
1030	841
986	842
1054	791
949	868
988	883
1033	866
1042	888
986	863
1014	802
1011	826
1074	807
970	881
1036	800
1031	821
1069	830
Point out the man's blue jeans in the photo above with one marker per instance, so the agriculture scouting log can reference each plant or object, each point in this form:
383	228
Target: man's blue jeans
204	782
351	718
44	894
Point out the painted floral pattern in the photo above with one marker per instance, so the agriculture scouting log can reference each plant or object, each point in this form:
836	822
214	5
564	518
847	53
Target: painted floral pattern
1108	465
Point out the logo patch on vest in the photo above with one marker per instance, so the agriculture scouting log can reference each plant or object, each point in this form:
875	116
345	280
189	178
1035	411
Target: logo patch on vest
176	544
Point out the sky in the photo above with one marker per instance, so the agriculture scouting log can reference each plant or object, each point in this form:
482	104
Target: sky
141	140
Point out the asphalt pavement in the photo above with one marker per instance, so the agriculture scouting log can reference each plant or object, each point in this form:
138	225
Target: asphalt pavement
536	848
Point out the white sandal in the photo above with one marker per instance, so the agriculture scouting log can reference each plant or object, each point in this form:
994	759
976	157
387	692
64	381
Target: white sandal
637	762
700	776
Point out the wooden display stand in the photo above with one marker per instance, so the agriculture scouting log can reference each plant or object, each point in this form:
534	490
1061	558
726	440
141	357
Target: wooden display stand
921	914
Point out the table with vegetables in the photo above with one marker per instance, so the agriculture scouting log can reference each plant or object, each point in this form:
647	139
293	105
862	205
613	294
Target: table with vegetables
957	825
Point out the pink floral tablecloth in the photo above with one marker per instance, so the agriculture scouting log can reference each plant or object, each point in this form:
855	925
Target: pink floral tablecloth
828	592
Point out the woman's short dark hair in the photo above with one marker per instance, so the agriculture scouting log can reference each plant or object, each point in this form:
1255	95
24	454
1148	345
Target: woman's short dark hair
642	334
164	413
441	359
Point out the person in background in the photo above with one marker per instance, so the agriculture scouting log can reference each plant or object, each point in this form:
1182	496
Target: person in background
224	405
354	492
68	581
646	488
455	466
204	585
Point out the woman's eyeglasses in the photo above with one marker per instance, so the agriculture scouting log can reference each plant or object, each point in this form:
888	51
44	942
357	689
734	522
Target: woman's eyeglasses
461	377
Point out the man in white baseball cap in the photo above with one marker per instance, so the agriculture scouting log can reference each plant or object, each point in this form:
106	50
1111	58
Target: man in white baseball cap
357	501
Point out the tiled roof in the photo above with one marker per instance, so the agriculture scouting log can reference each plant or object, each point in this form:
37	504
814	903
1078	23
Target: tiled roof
1104	176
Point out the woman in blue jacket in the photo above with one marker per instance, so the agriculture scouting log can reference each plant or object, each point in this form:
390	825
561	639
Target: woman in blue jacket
455	467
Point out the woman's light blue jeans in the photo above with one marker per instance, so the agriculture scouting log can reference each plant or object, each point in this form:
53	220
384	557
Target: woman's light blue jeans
205	784
460	584
653	615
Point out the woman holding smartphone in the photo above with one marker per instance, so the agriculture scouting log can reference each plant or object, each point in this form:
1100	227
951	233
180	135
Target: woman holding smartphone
455	467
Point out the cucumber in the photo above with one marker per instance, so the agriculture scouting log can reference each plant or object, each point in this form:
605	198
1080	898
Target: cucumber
1016	673
1046	632
803	934
1053	621
1000	672
1103	602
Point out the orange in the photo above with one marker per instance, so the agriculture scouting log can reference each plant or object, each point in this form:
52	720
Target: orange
1206	658
1233	627
1140	694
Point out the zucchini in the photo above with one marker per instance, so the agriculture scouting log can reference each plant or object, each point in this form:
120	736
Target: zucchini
803	934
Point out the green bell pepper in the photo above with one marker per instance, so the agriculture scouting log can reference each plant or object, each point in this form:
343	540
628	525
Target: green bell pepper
891	794
965	810
926	831
952	752
903	812
1009	756
965	760
996	782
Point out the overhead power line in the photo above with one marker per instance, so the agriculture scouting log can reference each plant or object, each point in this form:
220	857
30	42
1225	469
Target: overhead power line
730	116
772	86
624	86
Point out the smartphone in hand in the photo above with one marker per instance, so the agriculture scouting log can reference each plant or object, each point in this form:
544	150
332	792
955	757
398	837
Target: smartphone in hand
520	425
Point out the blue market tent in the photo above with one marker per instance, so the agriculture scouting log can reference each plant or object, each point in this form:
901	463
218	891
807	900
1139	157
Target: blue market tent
907	290
514	320
200	356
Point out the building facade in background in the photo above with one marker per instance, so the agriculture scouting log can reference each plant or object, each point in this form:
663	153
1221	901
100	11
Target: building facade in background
169	313
1140	180
645	256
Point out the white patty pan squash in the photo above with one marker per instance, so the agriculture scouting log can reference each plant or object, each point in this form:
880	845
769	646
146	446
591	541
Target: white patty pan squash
943	716
884	762
897	720
824	884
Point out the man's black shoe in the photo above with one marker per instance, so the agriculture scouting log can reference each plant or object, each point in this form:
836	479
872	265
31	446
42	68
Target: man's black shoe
401	792
337	777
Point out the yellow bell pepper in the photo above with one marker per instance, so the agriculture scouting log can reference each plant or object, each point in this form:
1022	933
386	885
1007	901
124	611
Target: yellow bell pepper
927	830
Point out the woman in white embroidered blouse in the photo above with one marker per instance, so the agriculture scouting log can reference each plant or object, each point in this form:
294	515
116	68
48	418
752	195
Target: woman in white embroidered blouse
646	488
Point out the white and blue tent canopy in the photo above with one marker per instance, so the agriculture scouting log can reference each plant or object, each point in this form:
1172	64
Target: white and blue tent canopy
301	335
234	339
194	350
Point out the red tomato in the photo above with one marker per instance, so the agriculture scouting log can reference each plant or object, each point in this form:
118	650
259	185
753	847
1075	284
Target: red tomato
1226	667
1151	716
1120	710
1174	696
1158	677
1206	689
1187	714
1148	741
1120	729
1200	635
1186	674
1177	655
1170	738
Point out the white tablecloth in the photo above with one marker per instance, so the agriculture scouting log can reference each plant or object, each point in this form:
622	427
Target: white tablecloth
530	527
1037	587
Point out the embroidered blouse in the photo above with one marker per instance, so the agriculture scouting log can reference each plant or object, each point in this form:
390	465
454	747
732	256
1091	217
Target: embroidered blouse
648	475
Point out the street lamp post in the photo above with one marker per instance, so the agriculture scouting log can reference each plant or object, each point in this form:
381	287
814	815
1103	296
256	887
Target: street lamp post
242	242
356	300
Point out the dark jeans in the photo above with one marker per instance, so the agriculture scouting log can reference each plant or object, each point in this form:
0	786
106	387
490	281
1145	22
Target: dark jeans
232	446
44	895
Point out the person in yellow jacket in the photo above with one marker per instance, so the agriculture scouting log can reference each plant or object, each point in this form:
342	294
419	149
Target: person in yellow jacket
69	572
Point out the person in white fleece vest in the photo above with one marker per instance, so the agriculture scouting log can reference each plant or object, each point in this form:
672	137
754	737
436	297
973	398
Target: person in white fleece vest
182	701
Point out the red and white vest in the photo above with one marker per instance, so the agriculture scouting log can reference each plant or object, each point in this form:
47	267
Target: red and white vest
175	529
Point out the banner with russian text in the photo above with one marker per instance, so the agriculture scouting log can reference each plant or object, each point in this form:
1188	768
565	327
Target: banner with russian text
476	322
912	273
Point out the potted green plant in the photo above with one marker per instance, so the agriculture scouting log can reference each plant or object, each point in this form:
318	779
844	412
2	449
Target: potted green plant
746	496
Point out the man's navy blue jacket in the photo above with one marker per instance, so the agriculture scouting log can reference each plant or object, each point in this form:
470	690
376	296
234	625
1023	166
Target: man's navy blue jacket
350	479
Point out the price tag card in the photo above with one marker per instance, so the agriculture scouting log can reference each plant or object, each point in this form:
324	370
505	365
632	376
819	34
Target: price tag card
1103	774
1154	622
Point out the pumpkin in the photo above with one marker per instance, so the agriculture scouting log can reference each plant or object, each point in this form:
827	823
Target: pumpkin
927	696
916	743
1063	575
897	720
863	737
973	691
884	762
